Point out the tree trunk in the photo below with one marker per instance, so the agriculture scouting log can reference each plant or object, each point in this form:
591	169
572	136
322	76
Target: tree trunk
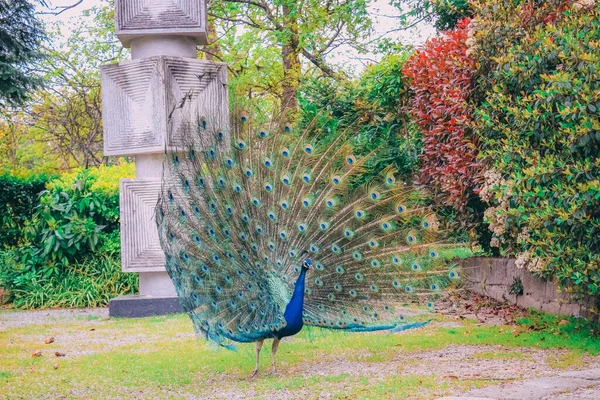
291	65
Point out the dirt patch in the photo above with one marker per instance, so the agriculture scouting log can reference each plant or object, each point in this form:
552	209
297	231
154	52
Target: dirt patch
14	319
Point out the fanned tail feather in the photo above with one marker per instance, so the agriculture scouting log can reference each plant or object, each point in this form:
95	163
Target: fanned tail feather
241	207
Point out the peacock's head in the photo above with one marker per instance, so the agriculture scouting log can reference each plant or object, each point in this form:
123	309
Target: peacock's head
307	264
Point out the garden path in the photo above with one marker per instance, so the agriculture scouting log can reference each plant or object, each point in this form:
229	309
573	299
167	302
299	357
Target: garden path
575	385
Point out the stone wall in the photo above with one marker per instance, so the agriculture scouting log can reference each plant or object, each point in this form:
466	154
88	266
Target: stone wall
493	277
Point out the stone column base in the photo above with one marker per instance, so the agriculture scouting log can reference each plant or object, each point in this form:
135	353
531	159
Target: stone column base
137	306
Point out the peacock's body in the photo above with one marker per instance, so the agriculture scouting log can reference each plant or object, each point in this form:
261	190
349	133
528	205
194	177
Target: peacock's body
270	232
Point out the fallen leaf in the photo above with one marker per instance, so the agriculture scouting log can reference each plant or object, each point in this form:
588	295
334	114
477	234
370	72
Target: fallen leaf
49	340
36	354
92	329
59	354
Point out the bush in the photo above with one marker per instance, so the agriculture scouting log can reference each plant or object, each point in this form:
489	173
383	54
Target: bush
18	198
441	80
540	130
373	106
71	252
88	283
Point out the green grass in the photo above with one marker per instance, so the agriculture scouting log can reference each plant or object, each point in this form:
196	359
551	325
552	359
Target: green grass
159	357
565	361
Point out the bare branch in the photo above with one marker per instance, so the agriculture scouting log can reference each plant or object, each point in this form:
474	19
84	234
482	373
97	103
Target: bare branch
61	9
263	6
251	23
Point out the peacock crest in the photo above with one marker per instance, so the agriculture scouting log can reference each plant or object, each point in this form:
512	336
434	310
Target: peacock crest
243	208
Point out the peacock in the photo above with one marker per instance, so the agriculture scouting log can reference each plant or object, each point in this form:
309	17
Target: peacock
269	228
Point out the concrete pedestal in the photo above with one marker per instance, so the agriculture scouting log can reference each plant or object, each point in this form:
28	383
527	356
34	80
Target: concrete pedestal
143	117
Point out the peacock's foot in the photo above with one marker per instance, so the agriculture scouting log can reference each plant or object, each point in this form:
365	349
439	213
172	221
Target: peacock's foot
273	371
254	373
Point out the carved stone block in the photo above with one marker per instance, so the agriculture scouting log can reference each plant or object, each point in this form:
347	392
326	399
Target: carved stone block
149	105
139	18
140	247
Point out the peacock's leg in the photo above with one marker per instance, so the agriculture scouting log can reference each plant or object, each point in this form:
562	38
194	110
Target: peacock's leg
274	354
259	345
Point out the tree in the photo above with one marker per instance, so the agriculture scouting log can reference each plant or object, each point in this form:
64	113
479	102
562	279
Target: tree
69	113
300	29
21	37
60	127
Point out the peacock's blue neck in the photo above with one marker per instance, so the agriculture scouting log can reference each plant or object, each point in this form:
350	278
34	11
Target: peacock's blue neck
293	310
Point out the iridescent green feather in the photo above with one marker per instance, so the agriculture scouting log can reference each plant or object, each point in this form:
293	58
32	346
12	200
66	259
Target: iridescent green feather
236	221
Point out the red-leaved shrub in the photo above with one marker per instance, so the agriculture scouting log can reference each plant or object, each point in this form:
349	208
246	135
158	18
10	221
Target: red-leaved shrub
441	74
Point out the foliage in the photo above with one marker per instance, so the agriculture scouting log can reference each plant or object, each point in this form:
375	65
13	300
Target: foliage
270	37
74	215
103	180
441	80
60	128
18	198
88	283
374	107
540	130
516	287
69	113
444	14
21	36
24	153
70	251
450	12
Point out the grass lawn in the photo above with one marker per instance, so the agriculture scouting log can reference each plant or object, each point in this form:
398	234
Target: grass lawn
160	357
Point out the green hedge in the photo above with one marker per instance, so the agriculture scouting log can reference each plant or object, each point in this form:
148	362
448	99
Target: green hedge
18	198
539	123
